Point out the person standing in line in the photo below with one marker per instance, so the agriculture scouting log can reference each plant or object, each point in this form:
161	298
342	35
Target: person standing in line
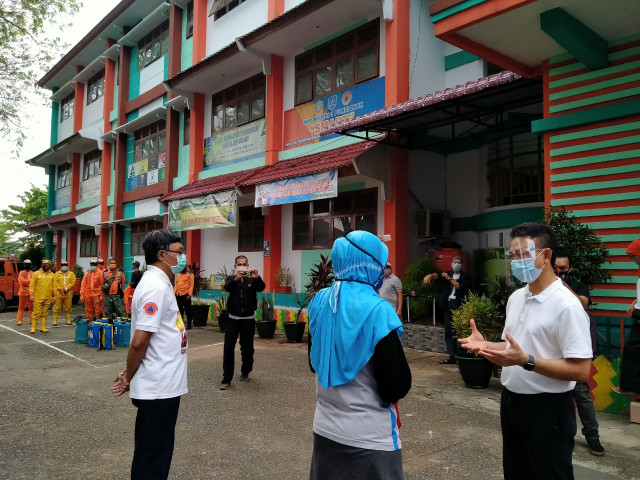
41	292
547	348
156	371
136	265
114	284
184	292
360	365
24	298
63	292
456	288
130	290
243	288
391	290
90	291
581	393
100	313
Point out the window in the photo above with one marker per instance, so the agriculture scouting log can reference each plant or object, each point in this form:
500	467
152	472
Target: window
92	163
250	229
64	176
516	172
240	104
150	141
222	7
190	19
138	232
338	64
187	127
95	88
88	243
67	107
318	223
153	46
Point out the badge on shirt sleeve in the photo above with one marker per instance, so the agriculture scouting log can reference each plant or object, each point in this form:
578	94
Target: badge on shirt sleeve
150	309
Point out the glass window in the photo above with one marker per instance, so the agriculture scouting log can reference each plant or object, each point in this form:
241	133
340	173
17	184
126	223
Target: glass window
218	120
186	135
88	243
222	7
323	81
95	88
304	88
190	19
66	107
138	232
153	45
344	72
301	233
239	104
243	112
367	64
230	117
250	229
257	107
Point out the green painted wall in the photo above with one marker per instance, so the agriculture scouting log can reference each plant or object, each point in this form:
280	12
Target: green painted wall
129	210
51	193
182	177
134	74
55	115
458	59
127	259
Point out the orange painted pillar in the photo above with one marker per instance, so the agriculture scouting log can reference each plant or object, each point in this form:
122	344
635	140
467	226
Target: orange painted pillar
75	180
275	9
196	162
396	209
78	104
105	177
199	30
72	247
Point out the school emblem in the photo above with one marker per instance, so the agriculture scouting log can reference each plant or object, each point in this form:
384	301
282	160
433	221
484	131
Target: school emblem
150	309
346	98
333	101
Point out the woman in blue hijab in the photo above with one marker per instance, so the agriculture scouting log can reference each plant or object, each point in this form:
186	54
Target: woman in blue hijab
361	368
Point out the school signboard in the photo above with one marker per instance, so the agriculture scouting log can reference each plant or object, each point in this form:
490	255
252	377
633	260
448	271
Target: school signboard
206	211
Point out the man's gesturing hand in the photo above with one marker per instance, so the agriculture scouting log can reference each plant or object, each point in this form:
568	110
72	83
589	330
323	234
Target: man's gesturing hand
474	342
513	355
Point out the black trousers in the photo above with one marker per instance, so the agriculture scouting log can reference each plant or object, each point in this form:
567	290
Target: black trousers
537	435
184	305
154	438
449	338
246	329
630	366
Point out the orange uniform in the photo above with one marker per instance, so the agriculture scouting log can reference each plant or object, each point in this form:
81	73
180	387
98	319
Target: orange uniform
100	302
24	280
90	291
184	284
128	297
118	282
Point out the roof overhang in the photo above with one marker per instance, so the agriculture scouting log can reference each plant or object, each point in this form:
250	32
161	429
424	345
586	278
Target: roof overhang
89	216
61	152
308	23
510	34
159	113
151	21
67	89
128	221
90	70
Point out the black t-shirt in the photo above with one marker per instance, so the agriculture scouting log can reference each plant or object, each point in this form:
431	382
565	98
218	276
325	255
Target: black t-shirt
579	288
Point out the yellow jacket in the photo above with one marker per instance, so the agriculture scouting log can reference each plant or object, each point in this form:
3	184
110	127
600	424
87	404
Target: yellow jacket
42	285
62	281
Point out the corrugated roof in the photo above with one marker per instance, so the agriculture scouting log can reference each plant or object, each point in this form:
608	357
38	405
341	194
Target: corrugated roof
208	185
63	217
468	88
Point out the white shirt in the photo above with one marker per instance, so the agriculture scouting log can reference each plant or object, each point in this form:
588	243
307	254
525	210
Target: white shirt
456	277
637	307
550	325
163	371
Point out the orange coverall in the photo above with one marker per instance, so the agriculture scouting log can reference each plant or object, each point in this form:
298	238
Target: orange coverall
128	297
90	292
100	303
24	280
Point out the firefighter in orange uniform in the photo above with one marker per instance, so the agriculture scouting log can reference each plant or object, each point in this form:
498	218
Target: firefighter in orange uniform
41	290
90	291
184	291
113	299
24	280
100	313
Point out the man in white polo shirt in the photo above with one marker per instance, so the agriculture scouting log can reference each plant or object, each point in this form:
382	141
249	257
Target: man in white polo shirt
156	372
547	349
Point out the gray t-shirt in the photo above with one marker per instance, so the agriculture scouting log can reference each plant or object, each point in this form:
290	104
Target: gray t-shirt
390	286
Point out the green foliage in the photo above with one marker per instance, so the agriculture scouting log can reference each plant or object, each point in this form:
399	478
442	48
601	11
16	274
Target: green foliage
320	276
266	305
33	250
221	301
587	252
199	282
412	281
501	289
487	314
78	271
27	48
283	276
32	207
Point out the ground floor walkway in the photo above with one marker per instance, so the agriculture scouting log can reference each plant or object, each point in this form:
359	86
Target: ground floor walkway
59	421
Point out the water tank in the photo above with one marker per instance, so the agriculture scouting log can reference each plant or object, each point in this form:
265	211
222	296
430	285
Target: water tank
444	256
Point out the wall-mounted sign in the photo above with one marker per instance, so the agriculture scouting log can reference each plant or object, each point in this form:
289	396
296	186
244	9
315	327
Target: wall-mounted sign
303	124
63	197
236	145
206	211
298	189
146	171
89	189
266	249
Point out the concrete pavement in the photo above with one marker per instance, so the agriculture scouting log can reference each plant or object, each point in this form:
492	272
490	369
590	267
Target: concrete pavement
59	421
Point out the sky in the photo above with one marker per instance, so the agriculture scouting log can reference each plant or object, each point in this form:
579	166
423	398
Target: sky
37	124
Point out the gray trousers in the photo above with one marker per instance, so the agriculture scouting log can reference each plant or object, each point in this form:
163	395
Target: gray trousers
586	411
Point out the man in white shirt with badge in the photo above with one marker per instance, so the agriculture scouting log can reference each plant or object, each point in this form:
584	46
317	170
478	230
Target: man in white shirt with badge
547	349
156	372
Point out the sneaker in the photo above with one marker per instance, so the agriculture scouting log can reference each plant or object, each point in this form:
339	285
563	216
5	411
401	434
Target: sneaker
244	377
595	448
225	386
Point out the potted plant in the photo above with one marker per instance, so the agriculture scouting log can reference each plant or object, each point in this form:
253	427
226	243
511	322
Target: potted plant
476	370
199	310
79	273
223	313
267	325
283	279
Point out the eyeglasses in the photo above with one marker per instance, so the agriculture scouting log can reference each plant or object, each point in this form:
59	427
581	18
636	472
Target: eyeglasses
523	253
179	252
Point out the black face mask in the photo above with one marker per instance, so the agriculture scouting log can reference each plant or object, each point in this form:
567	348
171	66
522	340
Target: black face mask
27	267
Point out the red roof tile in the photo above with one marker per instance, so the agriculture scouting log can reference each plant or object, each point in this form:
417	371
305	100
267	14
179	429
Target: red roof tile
63	217
208	185
494	80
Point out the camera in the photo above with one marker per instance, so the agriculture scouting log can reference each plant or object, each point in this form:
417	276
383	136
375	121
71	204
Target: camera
244	273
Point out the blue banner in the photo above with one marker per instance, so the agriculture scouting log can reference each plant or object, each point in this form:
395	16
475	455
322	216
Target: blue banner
298	189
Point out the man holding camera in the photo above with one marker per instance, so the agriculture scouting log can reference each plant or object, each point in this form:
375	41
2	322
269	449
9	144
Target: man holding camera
243	288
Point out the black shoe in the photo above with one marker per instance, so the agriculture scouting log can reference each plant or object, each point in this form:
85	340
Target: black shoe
225	386
188	326
595	448
244	377
448	361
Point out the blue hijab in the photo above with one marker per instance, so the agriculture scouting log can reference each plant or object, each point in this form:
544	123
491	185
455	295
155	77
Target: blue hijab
348	320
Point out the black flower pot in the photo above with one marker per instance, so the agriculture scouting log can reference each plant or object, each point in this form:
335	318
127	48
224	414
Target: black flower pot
294	331
475	371
223	318
200	314
266	329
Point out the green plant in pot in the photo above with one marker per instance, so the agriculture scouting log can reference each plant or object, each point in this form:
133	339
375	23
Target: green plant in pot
421	305
199	310
283	279
267	325
489	318
223	312
79	273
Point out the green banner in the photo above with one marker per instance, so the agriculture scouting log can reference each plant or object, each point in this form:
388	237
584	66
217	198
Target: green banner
206	211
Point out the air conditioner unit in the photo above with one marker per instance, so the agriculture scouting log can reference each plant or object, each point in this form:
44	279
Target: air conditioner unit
433	223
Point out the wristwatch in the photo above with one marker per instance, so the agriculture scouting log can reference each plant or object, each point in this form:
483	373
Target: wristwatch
530	365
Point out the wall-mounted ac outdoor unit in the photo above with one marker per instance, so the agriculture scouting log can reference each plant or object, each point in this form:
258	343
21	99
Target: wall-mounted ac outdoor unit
433	223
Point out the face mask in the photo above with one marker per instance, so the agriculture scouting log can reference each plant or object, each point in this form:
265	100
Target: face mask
93	268
46	267
64	269
27	267
457	267
112	267
378	285
182	263
525	269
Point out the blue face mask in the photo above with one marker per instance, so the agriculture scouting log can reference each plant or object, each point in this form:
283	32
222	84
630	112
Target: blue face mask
457	267
94	268
182	263
525	269
64	269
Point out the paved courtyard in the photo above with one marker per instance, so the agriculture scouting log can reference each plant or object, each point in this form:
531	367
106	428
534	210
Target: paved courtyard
59	421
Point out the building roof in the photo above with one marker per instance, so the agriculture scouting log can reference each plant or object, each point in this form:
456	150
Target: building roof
61	218
208	185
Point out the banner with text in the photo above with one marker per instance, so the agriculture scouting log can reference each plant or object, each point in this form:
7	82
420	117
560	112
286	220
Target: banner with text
235	145
89	189
299	189
304	124
206	211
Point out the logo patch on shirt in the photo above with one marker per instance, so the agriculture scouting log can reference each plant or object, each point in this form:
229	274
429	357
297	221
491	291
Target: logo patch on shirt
150	309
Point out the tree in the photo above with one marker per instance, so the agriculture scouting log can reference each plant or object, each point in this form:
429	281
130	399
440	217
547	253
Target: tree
15	217
26	49
587	252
